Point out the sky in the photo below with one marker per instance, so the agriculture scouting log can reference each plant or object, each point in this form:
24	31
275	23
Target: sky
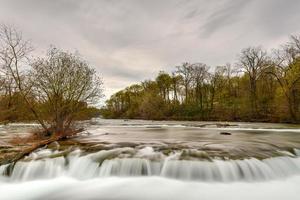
128	41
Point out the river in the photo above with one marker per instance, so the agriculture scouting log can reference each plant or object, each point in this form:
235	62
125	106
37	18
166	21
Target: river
136	159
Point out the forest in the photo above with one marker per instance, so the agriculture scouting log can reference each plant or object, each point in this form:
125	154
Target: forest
261	86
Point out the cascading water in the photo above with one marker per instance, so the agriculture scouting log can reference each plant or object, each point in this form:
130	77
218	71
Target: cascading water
128	174
114	163
161	163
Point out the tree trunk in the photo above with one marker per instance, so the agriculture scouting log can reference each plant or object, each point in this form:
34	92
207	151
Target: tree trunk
291	109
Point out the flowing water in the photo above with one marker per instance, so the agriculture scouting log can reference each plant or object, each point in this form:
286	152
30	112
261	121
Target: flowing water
117	159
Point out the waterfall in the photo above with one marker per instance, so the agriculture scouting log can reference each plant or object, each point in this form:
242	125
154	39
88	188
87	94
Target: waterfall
126	162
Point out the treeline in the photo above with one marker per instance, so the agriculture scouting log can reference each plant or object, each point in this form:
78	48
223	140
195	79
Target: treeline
14	109
260	86
54	90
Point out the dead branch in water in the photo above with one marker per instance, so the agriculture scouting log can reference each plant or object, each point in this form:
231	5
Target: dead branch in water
35	146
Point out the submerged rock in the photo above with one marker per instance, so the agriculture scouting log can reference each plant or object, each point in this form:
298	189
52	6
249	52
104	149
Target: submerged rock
225	133
193	154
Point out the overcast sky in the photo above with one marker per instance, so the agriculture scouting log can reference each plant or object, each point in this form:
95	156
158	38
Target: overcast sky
128	41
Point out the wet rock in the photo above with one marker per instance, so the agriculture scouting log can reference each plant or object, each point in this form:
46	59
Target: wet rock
225	133
167	151
54	146
127	144
192	154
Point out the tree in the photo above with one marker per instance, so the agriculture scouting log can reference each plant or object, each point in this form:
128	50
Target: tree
152	106
14	51
253	61
199	76
186	72
164	82
64	84
286	69
55	89
176	80
217	85
261	88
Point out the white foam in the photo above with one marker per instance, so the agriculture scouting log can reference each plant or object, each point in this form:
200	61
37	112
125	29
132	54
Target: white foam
146	162
149	188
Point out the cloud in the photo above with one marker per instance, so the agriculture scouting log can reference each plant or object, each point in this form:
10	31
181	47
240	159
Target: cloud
129	41
227	14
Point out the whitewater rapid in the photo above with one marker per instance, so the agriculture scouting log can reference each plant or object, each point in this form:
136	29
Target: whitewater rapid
108	174
160	162
127	162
